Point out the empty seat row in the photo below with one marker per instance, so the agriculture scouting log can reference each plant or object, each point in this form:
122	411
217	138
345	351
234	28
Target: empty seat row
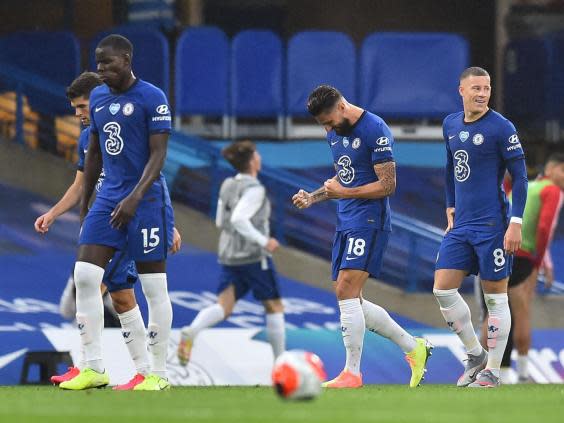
405	75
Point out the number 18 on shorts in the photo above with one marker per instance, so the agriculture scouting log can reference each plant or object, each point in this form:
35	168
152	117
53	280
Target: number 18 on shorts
360	249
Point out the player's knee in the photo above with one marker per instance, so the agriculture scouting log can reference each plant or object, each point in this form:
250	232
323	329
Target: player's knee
123	300
346	289
87	275
273	306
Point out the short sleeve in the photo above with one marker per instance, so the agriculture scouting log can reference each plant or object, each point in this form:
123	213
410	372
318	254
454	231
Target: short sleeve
381	142
82	147
93	98
157	110
509	143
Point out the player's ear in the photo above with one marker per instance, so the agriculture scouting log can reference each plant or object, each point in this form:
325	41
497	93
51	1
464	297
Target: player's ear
460	90
127	58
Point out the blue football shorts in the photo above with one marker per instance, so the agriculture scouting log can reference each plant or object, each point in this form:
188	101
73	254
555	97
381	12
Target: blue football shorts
360	248
475	251
147	237
260	278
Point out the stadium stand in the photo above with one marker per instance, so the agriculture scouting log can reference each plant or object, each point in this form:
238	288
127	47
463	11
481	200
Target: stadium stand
153	67
256	78
8	118
202	74
53	55
411	75
315	58
67	130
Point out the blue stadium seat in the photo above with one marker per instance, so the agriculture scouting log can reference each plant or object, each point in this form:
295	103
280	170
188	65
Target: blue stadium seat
150	53
315	58
202	72
412	75
555	76
525	60
51	55
256	69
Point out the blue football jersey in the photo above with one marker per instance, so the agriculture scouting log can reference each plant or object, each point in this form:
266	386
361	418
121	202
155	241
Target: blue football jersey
370	142
82	146
477	157
123	122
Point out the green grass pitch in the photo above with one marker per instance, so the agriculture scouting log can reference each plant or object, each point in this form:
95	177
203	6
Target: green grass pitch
383	403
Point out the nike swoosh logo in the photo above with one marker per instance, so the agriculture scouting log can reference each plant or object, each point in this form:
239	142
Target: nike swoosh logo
451	137
333	143
149	250
352	258
497	270
8	358
99	108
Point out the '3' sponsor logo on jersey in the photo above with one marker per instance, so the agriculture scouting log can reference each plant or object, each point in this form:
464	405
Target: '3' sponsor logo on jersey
114	142
346	172
462	168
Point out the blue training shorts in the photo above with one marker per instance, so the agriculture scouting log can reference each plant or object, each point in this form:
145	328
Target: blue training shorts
147	237
475	251
260	278
361	249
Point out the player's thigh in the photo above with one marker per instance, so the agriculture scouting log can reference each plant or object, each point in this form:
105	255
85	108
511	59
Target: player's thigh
494	263
150	234
98	240
261	277
455	260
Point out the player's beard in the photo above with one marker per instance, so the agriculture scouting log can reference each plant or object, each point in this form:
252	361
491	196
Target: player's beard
344	128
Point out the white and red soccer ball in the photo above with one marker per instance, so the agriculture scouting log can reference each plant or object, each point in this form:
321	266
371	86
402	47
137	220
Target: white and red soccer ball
298	375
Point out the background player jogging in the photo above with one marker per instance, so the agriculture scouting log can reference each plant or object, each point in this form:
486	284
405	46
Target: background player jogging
245	248
361	145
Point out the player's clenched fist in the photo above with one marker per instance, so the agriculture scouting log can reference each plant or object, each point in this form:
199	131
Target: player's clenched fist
302	199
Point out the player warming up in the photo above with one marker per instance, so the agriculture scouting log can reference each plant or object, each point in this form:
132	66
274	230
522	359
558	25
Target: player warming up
483	232
361	144
245	246
129	128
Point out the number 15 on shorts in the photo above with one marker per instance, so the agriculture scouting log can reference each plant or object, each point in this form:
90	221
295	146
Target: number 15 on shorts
151	239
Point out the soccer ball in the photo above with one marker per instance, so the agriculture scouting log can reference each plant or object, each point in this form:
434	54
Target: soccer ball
298	375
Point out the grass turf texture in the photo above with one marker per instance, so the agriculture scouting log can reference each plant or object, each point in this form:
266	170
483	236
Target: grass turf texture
383	403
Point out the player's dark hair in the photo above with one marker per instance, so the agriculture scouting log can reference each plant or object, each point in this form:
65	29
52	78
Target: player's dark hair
83	84
474	71
239	154
117	43
556	158
323	99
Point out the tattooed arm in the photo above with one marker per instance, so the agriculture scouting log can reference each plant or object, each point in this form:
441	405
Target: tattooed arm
304	199
383	187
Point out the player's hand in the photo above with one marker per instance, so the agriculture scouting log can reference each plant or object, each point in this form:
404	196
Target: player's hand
548	277
512	239
302	200
176	241
43	222
333	188
272	245
450	219
124	212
